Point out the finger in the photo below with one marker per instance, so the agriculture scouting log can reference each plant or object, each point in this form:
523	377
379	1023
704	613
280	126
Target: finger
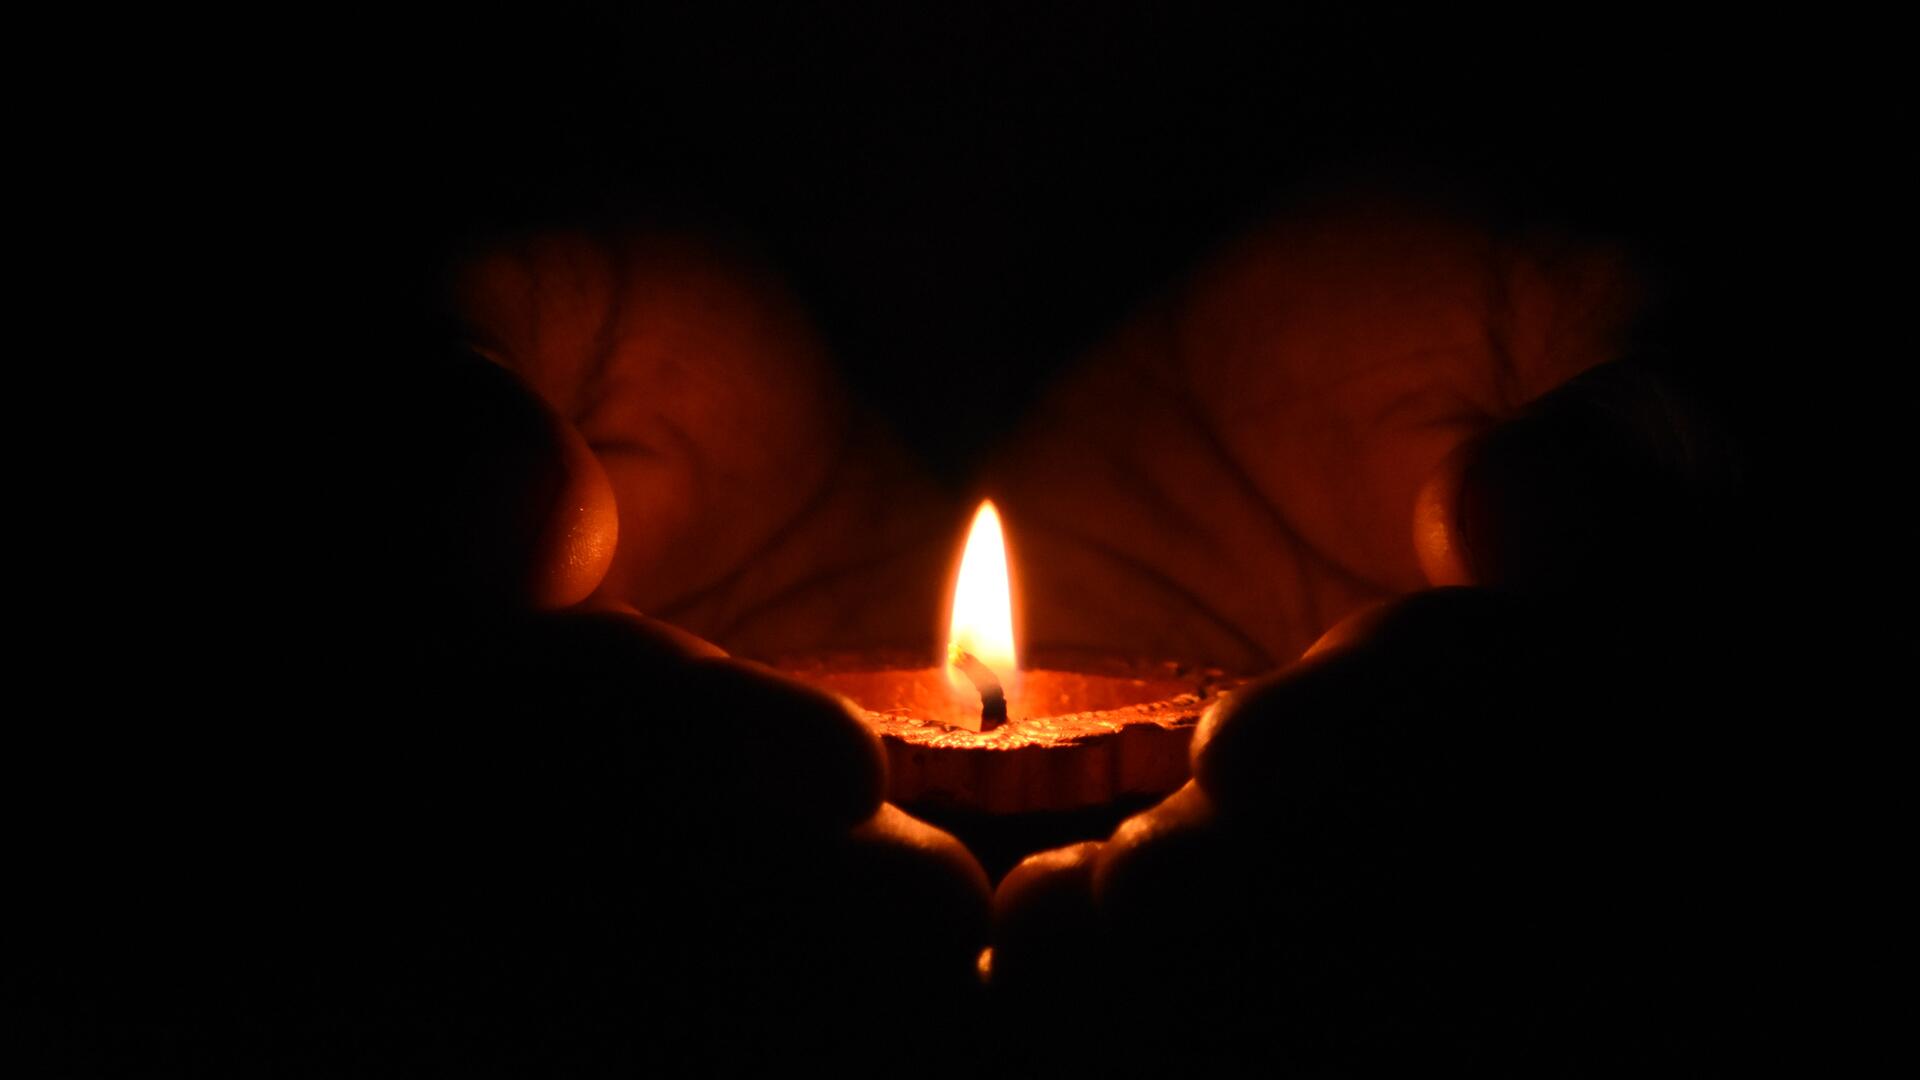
932	890
1046	945
850	950
668	635
659	726
1049	969
1150	874
695	378
1396	704
1417	808
733	735
1456	746
1191	926
1616	480
516	511
609	804
1343	349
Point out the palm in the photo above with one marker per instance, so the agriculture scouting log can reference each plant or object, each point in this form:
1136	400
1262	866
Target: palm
1229	476
1238	469
756	510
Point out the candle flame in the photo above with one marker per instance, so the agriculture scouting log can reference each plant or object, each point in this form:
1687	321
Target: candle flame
981	619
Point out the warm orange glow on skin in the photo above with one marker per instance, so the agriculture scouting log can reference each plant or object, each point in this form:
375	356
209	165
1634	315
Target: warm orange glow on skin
981	611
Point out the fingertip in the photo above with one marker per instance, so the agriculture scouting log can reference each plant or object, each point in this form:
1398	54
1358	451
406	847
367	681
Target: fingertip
1247	749
589	650
776	749
1610	484
1172	832
1059	877
924	901
1436	536
517	513
1356	627
1046	940
944	852
685	642
1432	667
814	930
576	545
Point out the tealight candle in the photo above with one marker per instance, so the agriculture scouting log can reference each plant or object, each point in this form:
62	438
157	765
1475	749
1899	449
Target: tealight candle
982	734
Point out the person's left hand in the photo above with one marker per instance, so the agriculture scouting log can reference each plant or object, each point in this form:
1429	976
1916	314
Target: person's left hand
622	834
757	508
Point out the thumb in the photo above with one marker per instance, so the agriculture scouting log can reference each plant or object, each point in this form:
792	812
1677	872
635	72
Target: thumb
515	510
1617	478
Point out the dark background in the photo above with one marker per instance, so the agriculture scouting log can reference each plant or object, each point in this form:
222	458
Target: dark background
981	184
990	187
993	185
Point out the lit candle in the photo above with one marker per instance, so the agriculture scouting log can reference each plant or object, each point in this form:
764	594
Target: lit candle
981	657
1081	733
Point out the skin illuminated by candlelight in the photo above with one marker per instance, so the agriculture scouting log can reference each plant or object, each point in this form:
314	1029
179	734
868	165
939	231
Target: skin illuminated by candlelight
1230	474
1352	402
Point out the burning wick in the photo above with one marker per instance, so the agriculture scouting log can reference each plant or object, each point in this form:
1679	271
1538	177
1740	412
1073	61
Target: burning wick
1103	729
993	700
980	622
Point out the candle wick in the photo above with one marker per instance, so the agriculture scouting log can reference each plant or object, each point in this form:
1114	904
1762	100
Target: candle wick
993	700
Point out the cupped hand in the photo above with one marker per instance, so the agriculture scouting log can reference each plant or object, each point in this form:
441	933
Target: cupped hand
1456	833
1239	466
1237	470
616	842
757	508
1467	824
